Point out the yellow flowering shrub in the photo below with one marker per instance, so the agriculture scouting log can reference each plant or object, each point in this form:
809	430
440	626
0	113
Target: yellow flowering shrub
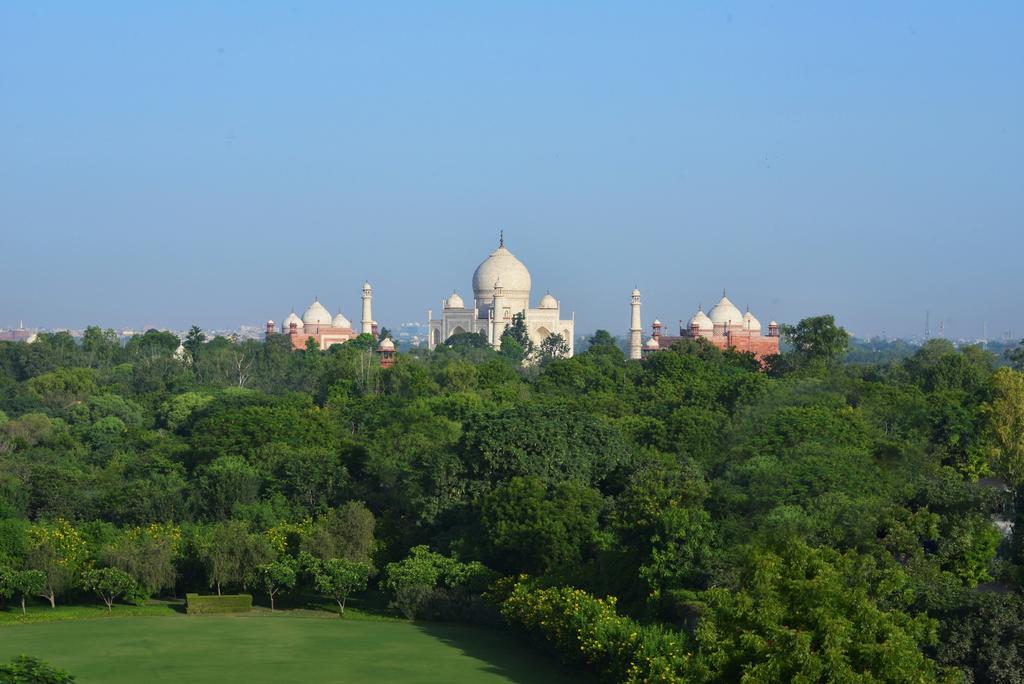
584	629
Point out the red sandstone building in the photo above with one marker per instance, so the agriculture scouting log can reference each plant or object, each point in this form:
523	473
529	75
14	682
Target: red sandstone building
318	324
724	326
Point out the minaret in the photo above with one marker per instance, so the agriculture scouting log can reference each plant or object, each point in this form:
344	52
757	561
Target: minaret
367	322
497	304
635	328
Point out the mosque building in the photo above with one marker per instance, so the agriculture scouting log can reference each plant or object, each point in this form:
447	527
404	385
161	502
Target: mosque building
723	326
318	323
501	289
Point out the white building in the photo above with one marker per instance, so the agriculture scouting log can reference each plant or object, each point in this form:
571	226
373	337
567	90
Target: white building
501	289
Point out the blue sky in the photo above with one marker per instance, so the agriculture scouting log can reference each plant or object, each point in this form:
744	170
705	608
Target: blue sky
171	163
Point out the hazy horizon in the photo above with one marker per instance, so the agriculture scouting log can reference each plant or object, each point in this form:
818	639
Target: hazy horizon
222	165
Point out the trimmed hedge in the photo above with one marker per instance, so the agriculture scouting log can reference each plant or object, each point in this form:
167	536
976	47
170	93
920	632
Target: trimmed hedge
232	603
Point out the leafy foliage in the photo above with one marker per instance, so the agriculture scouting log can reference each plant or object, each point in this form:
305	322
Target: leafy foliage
28	670
818	519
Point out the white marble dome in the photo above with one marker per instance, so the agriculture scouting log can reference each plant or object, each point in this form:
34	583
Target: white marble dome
750	323
341	322
316	314
454	301
501	266
548	302
386	345
292	318
652	344
701	320
725	313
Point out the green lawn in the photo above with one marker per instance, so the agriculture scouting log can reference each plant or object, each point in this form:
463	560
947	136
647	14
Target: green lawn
278	648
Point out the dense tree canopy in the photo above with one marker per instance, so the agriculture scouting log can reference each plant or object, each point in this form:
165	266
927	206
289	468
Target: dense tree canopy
816	520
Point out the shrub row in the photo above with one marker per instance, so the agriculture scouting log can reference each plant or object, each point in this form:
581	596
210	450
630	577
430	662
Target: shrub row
229	603
585	630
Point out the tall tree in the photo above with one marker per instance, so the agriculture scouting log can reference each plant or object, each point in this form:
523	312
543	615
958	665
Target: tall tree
817	341
194	342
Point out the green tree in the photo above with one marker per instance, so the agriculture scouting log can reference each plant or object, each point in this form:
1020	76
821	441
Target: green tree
28	670
537	528
666	535
64	387
339	578
415	580
516	344
147	554
101	346
58	551
982	633
602	338
109	584
1006	425
274	578
1005	428
806	614
345	532
817	341
229	550
21	583
465	341
554	346
194	342
153	344
1016	356
226	482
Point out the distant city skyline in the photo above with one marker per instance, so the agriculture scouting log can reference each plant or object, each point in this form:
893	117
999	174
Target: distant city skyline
221	165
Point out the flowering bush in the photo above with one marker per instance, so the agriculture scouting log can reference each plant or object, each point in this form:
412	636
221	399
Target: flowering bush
587	630
58	550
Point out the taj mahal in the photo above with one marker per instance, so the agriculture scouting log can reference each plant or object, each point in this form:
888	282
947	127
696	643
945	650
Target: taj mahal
501	290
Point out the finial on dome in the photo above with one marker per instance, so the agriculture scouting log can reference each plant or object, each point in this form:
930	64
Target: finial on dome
501	239
723	291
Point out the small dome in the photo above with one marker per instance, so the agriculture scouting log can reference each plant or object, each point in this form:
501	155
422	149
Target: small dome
701	320
773	324
725	313
341	322
636	292
652	344
454	301
386	345
316	314
366	286
548	302
292	318
750	323
270	322
657	323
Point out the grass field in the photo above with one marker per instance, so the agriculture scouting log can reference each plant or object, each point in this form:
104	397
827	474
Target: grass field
278	648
